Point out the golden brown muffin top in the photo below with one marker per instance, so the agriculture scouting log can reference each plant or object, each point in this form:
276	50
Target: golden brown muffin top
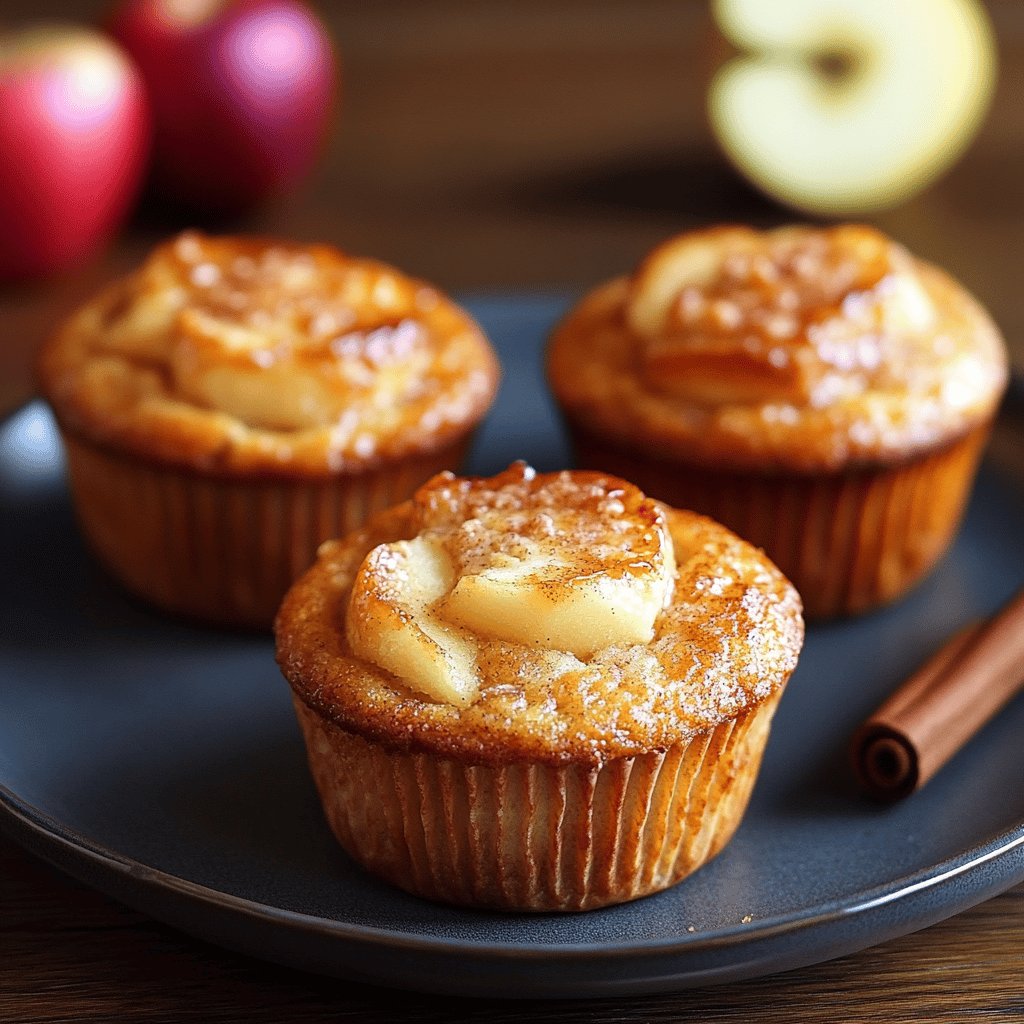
724	633
252	356
798	348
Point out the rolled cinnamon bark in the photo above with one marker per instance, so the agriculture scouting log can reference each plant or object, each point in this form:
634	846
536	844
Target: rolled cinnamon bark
943	704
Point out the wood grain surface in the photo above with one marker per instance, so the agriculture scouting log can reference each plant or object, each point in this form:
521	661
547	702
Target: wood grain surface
489	145
70	954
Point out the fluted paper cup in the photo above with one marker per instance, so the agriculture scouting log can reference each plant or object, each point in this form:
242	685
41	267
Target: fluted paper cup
530	836
849	541
219	549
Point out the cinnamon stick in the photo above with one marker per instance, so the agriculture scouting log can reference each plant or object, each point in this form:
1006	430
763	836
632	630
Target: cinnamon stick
943	704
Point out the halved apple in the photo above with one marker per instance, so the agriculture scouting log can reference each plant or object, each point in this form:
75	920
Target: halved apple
846	106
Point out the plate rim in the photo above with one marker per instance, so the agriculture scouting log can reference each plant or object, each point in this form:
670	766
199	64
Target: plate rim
55	835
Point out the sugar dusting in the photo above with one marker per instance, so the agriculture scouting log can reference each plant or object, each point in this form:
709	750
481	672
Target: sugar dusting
727	638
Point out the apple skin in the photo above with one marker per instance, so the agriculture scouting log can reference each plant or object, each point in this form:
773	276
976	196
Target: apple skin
241	90
74	135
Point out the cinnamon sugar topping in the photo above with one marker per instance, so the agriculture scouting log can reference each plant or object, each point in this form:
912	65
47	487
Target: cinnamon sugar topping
772	315
568	562
214	341
724	637
804	347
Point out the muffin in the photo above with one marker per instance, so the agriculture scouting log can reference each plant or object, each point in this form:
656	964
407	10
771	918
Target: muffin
536	692
820	391
235	401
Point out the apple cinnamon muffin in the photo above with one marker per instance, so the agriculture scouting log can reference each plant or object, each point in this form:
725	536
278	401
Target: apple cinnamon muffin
235	401
536	692
820	391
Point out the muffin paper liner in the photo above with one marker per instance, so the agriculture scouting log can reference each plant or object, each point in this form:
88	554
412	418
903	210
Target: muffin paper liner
531	836
848	541
217	549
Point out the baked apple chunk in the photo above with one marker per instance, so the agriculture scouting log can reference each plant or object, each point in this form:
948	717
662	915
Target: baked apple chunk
734	315
572	563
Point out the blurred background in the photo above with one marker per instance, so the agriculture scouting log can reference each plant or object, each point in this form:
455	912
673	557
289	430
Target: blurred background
547	144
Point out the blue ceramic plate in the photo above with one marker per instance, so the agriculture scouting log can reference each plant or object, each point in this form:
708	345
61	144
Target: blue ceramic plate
161	762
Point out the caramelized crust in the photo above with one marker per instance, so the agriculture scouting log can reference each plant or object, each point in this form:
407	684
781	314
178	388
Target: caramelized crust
798	349
576	525
255	357
727	639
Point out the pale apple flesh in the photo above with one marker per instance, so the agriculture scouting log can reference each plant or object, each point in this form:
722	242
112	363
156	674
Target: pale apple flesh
232	368
281	338
702	362
421	609
916	80
731	315
536	603
269	398
692	260
391	621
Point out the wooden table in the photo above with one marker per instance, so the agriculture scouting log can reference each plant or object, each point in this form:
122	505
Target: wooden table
528	145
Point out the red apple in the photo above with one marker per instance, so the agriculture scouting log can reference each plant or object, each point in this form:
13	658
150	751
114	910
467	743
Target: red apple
74	133
241	92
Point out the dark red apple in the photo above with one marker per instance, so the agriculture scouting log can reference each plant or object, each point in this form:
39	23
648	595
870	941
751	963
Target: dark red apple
74	133
241	92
